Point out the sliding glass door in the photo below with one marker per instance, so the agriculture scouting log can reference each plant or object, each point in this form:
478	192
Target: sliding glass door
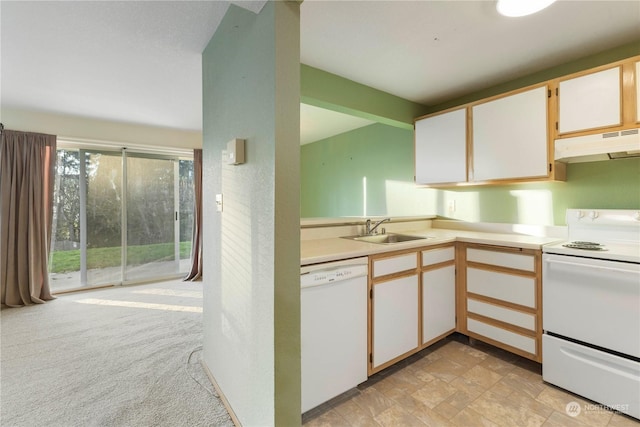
151	212
120	217
100	218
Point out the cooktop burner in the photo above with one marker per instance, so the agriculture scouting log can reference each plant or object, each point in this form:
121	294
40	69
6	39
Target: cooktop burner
588	246
603	234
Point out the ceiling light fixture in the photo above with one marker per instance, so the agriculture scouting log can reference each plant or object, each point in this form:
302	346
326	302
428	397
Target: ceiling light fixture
514	8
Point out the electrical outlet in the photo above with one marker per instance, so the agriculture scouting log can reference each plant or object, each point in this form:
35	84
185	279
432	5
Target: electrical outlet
451	206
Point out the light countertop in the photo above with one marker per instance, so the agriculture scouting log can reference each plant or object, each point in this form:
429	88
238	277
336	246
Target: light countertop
336	248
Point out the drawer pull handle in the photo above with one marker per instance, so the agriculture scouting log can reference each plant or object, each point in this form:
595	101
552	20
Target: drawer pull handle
597	267
632	374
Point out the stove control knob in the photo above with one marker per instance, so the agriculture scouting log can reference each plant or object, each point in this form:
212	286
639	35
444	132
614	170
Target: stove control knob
593	215
579	214
637	216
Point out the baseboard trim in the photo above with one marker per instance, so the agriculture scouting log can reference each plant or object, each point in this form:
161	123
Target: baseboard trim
224	400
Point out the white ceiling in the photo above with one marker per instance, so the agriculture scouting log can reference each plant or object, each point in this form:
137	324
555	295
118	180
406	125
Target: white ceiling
433	51
140	61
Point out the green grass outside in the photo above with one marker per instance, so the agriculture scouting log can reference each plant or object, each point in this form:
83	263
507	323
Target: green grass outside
63	261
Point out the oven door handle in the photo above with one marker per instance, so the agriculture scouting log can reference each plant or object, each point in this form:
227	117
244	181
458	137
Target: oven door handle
608	365
597	267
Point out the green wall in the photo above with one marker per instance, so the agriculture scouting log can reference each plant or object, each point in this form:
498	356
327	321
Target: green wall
332	172
251	250
613	184
338	173
332	169
602	58
325	90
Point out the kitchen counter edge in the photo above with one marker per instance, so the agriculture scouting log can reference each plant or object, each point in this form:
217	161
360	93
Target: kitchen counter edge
337	248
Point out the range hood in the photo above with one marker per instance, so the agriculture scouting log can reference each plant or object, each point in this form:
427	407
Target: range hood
603	146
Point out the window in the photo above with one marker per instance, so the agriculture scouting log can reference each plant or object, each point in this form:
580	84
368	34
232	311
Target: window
120	217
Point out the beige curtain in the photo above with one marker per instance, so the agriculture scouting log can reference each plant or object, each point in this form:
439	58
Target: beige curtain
196	240
27	164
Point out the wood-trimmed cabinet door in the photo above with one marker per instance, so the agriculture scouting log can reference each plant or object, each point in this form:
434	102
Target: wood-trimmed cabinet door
394	304
590	101
441	148
637	97
510	138
600	101
503	298
438	294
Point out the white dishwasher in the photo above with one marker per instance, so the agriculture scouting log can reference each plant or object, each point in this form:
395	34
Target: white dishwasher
333	316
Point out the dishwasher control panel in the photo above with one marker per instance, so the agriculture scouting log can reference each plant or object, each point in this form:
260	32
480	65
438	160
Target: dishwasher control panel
330	275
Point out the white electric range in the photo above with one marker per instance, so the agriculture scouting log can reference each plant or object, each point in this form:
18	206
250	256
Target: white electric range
591	308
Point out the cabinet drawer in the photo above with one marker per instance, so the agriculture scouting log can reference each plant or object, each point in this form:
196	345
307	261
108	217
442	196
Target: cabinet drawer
509	338
396	264
507	315
506	287
523	262
436	256
567	365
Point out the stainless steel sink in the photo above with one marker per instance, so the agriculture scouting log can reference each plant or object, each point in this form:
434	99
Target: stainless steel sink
386	239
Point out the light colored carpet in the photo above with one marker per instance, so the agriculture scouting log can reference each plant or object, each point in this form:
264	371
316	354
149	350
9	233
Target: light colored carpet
125	356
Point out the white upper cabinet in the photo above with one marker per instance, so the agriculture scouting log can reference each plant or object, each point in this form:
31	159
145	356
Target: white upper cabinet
441	148
510	137
590	101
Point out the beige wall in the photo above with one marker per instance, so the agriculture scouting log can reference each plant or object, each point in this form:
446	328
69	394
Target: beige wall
82	128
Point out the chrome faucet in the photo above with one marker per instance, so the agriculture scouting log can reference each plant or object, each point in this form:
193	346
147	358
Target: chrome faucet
369	229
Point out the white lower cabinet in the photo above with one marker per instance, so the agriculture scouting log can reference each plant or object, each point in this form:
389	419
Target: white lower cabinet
395	322
419	296
412	302
438	294
393	308
502	298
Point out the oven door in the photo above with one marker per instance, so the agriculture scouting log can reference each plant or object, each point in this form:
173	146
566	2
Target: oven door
593	301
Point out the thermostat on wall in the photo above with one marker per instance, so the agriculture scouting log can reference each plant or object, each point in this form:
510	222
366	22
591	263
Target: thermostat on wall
235	152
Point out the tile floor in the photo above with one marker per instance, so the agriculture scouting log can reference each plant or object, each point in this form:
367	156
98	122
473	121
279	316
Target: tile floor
453	383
